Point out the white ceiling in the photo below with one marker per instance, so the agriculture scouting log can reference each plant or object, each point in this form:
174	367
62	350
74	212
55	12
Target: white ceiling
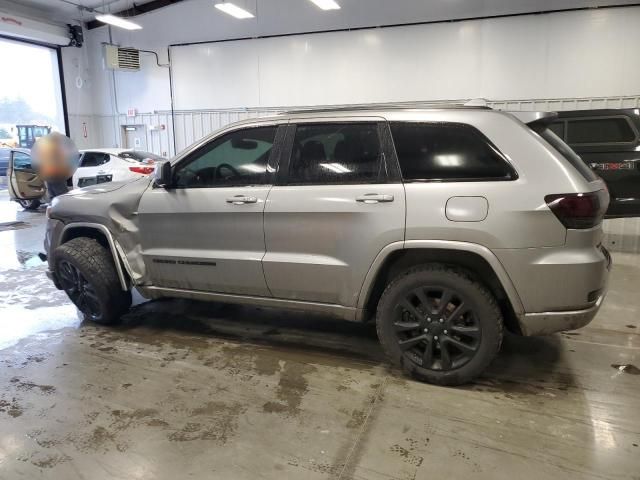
64	11
354	13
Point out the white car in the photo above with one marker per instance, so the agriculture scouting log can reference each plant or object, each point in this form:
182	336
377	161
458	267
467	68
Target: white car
112	164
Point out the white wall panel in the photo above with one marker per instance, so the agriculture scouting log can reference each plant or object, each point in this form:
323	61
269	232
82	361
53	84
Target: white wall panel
145	90
576	54
226	73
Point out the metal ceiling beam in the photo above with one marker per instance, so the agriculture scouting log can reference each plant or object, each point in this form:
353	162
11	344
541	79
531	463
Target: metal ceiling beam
136	10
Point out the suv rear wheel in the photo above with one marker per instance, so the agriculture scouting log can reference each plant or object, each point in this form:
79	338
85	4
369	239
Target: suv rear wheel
439	325
87	274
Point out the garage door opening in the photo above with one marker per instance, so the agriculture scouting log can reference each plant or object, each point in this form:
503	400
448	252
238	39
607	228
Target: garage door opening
31	99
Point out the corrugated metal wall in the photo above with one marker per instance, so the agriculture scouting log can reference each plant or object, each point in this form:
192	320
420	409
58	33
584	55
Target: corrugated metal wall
192	125
621	235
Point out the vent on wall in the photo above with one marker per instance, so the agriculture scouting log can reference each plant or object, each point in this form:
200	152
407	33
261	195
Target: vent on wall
121	58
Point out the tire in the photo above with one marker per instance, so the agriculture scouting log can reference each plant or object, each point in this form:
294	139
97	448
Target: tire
88	276
446	344
29	204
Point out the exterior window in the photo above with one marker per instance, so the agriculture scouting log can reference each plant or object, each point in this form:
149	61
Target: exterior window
21	161
94	159
237	158
446	151
334	153
600	130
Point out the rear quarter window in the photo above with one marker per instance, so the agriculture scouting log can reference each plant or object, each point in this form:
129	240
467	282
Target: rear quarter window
94	159
447	152
600	130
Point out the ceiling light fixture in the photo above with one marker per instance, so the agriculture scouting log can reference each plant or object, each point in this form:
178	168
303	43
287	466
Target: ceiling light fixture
327	4
118	22
233	10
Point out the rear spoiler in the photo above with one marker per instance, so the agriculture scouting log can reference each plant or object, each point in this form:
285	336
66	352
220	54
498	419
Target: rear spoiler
538	121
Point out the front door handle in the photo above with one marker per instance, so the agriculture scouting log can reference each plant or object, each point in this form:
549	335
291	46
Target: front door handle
241	200
374	198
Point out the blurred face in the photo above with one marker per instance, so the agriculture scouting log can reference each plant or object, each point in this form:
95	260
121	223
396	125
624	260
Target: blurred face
55	157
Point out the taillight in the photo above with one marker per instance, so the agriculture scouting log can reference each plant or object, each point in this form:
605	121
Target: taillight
579	210
144	170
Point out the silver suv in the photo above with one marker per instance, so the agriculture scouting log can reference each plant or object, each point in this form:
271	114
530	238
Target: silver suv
445	226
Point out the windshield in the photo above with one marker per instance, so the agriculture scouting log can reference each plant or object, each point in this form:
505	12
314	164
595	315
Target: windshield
571	156
139	156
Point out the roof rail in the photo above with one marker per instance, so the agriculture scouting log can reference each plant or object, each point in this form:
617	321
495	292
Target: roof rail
475	103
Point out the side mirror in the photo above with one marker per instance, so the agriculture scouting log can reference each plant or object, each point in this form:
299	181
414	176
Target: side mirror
162	174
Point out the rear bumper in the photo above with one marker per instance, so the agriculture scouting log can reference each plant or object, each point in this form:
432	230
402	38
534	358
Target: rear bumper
546	323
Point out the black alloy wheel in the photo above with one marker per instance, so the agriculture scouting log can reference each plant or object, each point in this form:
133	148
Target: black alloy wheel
439	324
79	290
436	328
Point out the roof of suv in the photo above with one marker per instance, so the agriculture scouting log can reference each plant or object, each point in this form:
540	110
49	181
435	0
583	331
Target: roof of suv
601	112
372	110
414	106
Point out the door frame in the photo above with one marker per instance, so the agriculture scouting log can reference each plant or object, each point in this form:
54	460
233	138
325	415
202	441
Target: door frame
11	175
124	135
63	91
392	167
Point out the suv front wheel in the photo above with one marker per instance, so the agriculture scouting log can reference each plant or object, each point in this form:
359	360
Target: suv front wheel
86	273
439	325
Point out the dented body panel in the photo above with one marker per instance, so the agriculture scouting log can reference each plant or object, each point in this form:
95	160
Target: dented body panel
111	208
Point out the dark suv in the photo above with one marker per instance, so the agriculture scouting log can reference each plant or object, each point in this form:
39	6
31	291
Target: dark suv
609	142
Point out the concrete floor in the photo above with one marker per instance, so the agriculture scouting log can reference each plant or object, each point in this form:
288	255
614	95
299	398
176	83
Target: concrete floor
192	390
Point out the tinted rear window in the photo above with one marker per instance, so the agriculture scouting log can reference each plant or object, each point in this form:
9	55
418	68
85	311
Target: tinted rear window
333	153
447	151
4	154
571	156
94	159
600	130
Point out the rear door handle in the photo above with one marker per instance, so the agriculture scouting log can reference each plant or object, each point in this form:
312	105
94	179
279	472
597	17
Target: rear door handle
241	200
374	198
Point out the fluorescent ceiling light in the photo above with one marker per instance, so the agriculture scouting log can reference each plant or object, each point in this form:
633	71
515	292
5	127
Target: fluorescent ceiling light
233	10
327	4
118	22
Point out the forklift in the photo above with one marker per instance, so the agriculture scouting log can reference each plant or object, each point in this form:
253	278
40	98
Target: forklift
28	134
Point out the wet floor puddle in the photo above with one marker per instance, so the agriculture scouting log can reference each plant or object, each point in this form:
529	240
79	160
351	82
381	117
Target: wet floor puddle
16	225
628	368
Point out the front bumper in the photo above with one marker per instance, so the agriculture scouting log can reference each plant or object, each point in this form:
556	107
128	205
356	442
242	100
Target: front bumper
51	241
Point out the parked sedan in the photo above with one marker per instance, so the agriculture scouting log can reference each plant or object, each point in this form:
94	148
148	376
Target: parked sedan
5	154
112	164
